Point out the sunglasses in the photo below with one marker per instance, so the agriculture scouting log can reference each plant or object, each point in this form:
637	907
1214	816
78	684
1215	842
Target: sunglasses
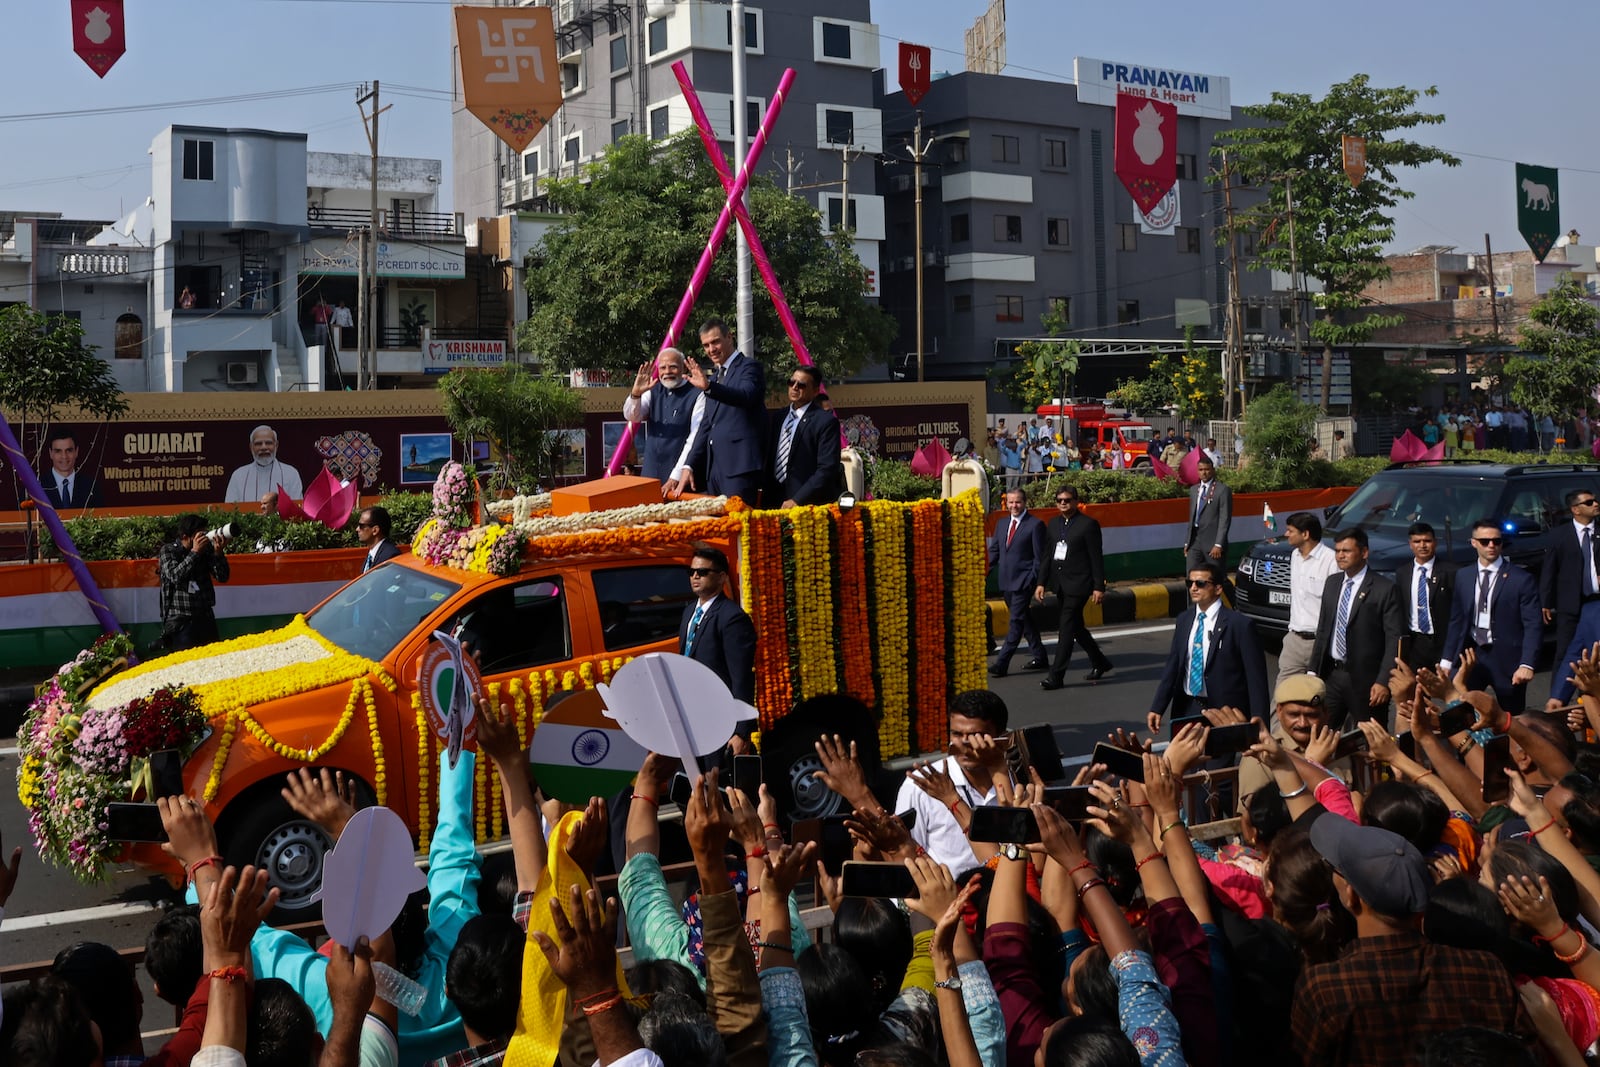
1586	503
1199	583
1488	540
1066	500
702	572
801	384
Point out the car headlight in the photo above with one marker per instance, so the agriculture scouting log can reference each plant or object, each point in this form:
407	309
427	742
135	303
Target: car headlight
1247	567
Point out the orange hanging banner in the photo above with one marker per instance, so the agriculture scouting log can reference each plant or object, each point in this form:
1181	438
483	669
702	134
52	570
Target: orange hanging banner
509	74
1355	158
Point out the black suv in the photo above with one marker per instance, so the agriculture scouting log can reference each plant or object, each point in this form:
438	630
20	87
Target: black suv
1526	500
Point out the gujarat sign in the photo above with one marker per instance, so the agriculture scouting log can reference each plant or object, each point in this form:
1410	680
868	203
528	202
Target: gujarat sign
1538	214
509	76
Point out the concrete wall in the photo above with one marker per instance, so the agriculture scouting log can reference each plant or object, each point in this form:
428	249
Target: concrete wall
258	181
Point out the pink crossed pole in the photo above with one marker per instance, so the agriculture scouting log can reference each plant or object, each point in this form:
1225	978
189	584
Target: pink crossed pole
730	207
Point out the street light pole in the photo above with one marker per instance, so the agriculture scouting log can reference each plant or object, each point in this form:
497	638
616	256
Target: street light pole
745	318
919	150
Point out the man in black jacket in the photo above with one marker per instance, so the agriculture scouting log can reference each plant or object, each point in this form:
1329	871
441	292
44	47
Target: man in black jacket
717	632
803	466
1075	572
1215	660
1425	585
1567	578
1358	636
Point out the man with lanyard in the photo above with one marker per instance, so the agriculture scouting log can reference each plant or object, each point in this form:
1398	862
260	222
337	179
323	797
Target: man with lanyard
717	632
669	407
1310	565
1426	585
1496	611
1567	577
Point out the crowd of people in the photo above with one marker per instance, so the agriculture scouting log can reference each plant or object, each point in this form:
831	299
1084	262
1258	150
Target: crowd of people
1468	428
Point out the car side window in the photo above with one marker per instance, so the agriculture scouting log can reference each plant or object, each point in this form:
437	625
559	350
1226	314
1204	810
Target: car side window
642	604
518	626
1529	504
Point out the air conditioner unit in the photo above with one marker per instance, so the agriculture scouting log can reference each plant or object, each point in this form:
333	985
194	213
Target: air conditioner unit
242	373
566	11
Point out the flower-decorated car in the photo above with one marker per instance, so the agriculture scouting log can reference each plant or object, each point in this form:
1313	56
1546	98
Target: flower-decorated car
882	601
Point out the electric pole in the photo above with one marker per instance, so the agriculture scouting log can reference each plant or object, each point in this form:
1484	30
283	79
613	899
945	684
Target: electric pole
791	166
745	317
919	150
1294	272
1235	322
367	303
1494	305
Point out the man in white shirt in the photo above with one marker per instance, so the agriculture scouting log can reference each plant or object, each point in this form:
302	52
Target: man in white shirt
1427	586
265	474
1310	564
941	820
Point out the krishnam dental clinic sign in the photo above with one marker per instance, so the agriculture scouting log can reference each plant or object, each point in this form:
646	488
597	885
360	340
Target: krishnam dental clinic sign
441	357
396	259
1203	95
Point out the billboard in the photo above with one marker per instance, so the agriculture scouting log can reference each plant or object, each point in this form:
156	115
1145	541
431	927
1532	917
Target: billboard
1203	95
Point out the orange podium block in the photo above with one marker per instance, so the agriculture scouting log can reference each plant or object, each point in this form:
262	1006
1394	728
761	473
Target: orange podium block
604	494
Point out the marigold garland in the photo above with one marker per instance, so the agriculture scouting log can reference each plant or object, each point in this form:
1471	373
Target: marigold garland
424	767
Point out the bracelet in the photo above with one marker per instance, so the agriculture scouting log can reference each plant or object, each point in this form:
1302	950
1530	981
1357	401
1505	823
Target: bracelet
1085	865
602	995
774	827
1138	805
777	946
1582	951
1297	793
1542	829
755	853
1173	825
954	804
210	861
1423	775
751	891
650	800
230	974
1465	747
1090	884
1540	939
604	1006
1156	855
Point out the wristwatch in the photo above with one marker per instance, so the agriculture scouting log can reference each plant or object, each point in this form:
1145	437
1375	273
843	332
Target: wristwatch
953	982
1013	851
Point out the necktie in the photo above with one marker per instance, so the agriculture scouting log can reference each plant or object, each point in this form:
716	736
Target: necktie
1424	622
1480	634
64	490
1197	656
1343	620
785	439
1588	560
1012	532
694	628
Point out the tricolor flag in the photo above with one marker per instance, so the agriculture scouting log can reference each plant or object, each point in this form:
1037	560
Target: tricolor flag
1268	519
578	752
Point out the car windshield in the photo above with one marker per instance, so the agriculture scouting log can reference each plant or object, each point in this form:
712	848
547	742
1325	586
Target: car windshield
371	615
1389	503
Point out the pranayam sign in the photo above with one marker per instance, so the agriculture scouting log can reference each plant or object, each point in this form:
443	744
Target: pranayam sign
1205	95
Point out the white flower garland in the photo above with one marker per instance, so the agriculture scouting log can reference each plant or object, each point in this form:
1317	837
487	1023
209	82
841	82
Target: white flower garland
224	667
518	507
617	518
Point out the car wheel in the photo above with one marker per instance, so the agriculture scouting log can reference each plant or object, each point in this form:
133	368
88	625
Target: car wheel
790	763
260	829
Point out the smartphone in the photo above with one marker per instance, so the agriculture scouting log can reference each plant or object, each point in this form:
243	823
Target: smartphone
166	773
1070	801
681	790
1454	720
1235	737
862	879
1350	743
835	842
1408	745
134	822
1496	762
1119	761
1000	825
1035	746
908	819
747	777
1177	725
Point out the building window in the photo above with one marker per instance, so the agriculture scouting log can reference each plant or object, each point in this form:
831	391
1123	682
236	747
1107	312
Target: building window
1127	312
958	150
197	164
619	54
752	117
1062	306
1055	152
835	210
530	163
835	40
573	148
1188	239
841	126
1005	149
658	123
961	303
619	130
1127	237
751	37
1008	229
960	229
572	77
656	31
1188	167
1285	317
1058	233
1008	309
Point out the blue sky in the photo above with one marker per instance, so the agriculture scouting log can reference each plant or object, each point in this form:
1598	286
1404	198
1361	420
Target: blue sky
1510	86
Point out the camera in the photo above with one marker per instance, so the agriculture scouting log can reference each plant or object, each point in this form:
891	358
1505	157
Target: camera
224	533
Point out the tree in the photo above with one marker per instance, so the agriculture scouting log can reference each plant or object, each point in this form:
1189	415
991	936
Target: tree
1277	436
1188	383
1561	368
1047	367
1155	393
1339	230
1388	387
519	412
605	282
45	368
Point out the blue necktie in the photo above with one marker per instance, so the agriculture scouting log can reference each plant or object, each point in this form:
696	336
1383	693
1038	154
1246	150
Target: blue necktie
694	628
1197	656
1343	619
1424	623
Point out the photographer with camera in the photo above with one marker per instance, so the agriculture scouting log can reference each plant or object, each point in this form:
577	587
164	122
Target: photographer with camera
188	567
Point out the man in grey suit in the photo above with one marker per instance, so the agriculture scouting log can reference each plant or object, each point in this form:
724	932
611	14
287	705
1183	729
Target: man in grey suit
1210	515
1017	546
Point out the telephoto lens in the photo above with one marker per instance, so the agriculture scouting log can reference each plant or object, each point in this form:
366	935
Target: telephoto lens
224	533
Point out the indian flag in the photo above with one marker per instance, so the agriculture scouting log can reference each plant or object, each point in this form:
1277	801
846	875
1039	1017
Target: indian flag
1268	519
578	753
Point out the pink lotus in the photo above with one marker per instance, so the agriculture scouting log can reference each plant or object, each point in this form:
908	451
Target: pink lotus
326	501
1189	467
1408	448
930	459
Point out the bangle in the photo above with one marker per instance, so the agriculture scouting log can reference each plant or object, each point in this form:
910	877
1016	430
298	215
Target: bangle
602	995
1156	855
1540	939
210	861
1085	865
755	853
1423	775
1173	825
1582	951
1462	749
1542	829
604	1006
751	891
777	946
230	974
1090	884
648	800
1298	792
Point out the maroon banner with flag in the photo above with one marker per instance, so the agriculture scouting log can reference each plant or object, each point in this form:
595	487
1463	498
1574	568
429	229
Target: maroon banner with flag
916	71
1146	155
97	33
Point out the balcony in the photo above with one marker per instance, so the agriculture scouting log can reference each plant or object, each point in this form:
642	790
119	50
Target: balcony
390	223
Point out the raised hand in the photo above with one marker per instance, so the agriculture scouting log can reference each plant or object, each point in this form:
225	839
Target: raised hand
1188	748
842	772
326	797
746	820
591	837
643	380
1381	745
1324	742
497	735
1061	842
881	832
1435	684
586	957
1586	671
1112	817
238	903
707	820
1224	716
934	780
1531	904
782	869
936	887
1464	665
1128	740
1402	680
1162	785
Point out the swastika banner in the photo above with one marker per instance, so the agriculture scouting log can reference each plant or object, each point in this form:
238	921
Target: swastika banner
509	74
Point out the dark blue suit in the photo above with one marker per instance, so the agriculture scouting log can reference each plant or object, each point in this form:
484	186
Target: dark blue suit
1020	558
725	641
1516	628
1235	673
816	472
731	443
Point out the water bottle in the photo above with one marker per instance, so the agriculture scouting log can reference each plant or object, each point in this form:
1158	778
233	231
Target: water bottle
397	989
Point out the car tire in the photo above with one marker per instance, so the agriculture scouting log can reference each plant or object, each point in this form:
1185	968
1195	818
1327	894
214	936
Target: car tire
789	760
260	829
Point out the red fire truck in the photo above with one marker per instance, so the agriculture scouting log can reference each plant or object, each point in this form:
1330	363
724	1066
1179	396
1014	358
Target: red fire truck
1095	430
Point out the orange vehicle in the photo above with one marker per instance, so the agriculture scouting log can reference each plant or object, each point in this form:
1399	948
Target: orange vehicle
336	688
